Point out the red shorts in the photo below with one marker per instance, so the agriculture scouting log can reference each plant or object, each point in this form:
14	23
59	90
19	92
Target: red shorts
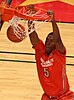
67	96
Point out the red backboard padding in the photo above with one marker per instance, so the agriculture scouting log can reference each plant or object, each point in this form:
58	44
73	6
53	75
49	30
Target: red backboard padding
64	12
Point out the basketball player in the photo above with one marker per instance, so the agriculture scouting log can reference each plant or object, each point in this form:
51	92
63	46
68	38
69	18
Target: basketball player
8	2
51	63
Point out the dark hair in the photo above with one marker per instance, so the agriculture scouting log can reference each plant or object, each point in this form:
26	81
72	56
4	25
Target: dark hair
51	33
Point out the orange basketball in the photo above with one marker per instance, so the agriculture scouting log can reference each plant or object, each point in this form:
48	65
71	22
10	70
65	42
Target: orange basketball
17	36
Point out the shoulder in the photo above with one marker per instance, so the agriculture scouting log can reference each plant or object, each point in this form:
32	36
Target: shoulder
40	48
39	45
59	53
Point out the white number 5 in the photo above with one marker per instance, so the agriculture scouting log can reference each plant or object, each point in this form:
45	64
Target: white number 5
46	72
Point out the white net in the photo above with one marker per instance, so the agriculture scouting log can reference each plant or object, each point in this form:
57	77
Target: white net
31	16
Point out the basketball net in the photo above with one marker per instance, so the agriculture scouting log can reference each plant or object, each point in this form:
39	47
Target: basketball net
28	13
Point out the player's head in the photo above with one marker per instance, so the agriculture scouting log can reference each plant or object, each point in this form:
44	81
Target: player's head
49	43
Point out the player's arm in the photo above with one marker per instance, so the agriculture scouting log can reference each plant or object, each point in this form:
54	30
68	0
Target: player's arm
57	38
8	2
33	35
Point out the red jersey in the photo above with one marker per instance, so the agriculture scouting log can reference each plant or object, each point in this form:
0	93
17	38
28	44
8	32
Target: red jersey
51	71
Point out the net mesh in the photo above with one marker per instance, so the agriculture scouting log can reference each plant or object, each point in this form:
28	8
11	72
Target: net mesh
28	14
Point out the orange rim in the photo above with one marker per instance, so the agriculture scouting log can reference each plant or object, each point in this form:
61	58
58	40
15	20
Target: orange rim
42	15
8	13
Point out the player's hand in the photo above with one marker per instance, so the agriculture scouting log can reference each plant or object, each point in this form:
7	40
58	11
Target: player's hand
31	26
50	14
31	6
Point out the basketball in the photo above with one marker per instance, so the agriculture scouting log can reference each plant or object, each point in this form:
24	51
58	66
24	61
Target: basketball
16	35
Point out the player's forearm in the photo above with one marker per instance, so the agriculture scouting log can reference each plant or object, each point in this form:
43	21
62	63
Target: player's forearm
56	32
34	38
32	33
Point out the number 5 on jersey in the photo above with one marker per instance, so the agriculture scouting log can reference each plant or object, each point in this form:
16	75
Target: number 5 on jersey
46	72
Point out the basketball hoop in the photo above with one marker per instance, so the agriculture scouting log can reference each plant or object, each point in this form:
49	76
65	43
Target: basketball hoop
34	13
26	13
